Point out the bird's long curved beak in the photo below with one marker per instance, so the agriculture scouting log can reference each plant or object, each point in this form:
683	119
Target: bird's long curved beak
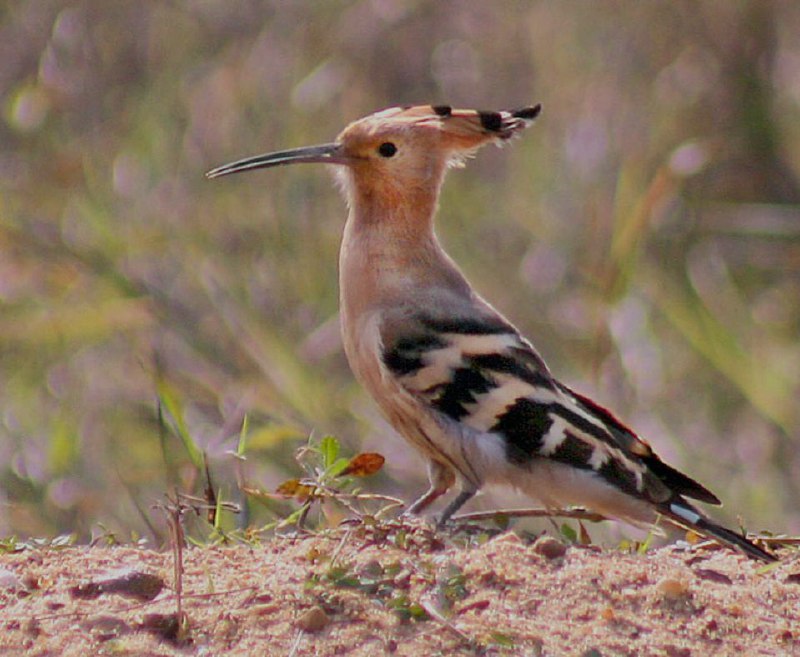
324	153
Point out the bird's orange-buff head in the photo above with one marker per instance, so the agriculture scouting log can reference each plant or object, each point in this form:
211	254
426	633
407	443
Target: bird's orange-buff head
401	151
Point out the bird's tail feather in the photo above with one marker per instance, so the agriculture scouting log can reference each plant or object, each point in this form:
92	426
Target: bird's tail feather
685	515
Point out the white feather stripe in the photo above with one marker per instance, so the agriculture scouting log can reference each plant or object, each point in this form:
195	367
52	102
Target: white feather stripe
474	344
571	403
555	435
438	368
682	512
489	407
601	452
439	363
599	458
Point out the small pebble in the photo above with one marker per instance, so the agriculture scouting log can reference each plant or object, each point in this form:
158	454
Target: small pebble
8	580
507	537
313	620
672	589
549	547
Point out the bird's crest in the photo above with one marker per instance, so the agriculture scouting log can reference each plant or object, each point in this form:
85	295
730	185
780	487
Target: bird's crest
461	130
465	124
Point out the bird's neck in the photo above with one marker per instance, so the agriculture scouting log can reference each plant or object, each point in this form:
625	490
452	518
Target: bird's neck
390	252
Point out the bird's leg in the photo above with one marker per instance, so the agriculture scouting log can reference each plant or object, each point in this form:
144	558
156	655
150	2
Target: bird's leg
460	500
441	478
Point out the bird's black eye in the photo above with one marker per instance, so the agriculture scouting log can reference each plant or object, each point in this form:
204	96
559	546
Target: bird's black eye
387	149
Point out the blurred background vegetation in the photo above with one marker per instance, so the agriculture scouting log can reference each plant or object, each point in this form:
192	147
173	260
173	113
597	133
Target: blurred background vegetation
645	234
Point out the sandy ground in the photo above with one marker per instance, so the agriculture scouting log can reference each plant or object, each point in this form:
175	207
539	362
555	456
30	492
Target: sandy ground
395	591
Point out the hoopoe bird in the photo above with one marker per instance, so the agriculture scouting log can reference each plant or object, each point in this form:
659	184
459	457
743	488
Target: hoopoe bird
453	376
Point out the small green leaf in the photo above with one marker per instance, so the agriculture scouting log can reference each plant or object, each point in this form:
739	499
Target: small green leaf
294	517
196	541
172	405
329	449
343	577
10	544
644	546
569	533
218	511
455	587
337	468
241	445
502	639
399	605
502	520
769	567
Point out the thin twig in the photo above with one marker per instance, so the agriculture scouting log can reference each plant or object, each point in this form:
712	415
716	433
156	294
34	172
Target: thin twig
199	504
436	615
340	546
364	496
296	644
578	514
176	525
174	510
321	491
775	540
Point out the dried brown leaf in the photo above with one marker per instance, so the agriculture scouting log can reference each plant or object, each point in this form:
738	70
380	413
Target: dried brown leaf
713	575
296	488
364	465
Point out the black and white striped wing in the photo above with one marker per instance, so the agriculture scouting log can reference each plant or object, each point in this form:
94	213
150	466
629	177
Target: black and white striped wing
483	374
